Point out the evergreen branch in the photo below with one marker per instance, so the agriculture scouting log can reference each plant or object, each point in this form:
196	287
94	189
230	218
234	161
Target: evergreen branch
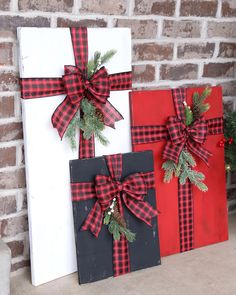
183	170
71	131
199	107
116	226
189	158
107	56
188	116
169	167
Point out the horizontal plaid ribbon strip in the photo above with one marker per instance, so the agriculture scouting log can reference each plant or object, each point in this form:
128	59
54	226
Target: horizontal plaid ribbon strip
155	133
75	85
179	136
130	192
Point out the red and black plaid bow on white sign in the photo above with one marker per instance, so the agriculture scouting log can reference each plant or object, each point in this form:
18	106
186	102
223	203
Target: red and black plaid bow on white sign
131	192
178	137
76	85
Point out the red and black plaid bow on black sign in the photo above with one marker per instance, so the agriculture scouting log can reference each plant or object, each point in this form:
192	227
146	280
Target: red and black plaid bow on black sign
131	192
76	86
180	136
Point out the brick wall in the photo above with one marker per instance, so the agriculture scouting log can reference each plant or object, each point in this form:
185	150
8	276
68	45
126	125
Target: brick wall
175	42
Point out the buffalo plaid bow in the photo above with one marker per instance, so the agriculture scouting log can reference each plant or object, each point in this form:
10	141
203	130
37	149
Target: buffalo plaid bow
179	136
130	191
76	85
192	137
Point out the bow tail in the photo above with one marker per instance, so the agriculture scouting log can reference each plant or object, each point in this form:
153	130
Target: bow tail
63	114
200	151
172	152
93	221
141	209
110	114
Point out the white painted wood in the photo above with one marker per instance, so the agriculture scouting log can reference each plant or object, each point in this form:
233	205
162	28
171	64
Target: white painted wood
43	53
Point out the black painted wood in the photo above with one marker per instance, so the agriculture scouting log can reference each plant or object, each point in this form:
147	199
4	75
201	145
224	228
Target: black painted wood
94	255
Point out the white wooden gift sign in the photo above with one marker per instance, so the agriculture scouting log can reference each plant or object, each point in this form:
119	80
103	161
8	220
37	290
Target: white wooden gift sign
43	52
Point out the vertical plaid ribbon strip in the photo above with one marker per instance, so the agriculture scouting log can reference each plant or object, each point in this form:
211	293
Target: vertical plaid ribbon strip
75	84
178	136
131	191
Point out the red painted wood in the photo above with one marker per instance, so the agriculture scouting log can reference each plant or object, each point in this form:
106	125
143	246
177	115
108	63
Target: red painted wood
210	208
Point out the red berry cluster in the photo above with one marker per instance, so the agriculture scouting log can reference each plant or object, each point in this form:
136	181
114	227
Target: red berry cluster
224	141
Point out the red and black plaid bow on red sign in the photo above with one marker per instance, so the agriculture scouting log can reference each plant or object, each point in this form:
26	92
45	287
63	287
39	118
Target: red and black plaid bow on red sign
180	136
130	191
76	85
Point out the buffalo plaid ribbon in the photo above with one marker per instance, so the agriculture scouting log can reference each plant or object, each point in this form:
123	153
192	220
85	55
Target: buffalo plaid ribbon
178	137
76	85
131	191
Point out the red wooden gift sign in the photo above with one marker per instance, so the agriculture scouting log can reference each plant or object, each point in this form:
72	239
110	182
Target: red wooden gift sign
189	218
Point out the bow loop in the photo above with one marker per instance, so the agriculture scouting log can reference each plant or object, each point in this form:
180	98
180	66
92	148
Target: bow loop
192	136
99	86
177	130
199	130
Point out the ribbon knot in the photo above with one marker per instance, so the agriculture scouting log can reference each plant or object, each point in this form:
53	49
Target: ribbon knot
131	192
192	137
77	86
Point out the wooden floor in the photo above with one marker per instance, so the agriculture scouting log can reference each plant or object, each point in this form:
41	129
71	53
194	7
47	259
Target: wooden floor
207	271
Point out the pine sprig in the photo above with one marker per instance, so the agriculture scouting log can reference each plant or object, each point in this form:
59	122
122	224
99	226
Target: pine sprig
183	170
71	131
91	124
199	107
116	226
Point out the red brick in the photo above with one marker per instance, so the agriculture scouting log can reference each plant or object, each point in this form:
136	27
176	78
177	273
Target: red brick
8	24
229	88
198	7
227	50
13	226
195	85
45	5
157	7
229	8
12	179
4	4
9	81
143	73
11	131
219	70
182	29
7	156
5	54
17	248
90	23
21	264
196	50
152	51
141	29
7	108
222	29
111	7
178	72
7	205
